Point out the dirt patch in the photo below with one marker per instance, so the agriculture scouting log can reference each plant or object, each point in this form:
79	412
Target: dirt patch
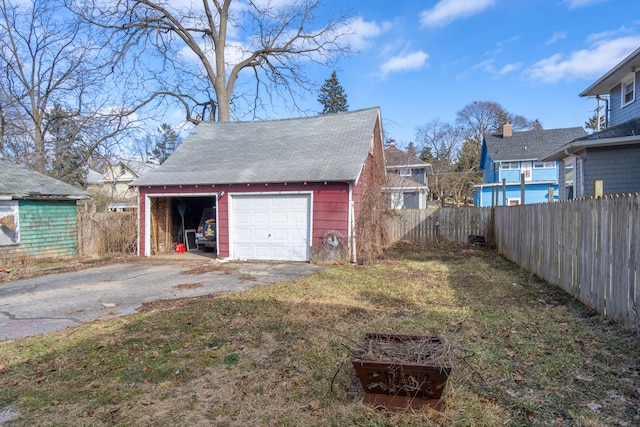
207	268
186	286
168	304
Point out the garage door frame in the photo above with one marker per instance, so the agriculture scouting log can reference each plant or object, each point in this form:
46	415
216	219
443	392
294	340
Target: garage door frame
232	225
147	214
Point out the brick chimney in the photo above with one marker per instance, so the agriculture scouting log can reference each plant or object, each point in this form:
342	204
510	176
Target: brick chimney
507	130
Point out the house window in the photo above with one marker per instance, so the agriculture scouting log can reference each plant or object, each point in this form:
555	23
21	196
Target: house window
544	165
513	202
526	170
9	227
510	165
397	200
629	90
405	172
569	173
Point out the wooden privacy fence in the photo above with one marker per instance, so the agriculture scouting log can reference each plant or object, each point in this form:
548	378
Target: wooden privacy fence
107	233
588	247
428	226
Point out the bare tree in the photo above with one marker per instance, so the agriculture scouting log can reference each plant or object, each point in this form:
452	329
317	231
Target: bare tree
51	62
440	143
198	64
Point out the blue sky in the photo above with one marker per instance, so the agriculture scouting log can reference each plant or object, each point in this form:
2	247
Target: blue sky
421	60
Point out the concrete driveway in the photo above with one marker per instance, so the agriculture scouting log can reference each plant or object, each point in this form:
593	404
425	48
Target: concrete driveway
56	301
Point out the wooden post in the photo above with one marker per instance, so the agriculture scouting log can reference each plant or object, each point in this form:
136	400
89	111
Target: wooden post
493	195
551	196
522	189
504	192
598	188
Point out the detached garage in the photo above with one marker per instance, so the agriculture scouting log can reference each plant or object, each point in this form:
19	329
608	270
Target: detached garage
281	190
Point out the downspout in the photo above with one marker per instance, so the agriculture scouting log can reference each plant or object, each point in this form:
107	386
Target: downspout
351	226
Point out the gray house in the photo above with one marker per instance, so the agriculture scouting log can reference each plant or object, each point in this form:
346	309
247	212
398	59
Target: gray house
407	179
611	155
37	214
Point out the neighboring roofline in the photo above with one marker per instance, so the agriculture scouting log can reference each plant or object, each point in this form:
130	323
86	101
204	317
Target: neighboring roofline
616	72
499	184
41	197
532	159
413	165
423	188
575	146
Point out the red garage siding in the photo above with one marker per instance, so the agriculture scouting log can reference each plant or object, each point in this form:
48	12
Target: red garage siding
330	210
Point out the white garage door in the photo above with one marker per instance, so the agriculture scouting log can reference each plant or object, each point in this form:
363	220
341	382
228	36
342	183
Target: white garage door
270	227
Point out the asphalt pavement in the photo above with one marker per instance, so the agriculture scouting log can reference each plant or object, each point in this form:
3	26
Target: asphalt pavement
54	302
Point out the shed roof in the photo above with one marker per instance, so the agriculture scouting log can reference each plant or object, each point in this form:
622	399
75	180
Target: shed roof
529	145
331	147
19	182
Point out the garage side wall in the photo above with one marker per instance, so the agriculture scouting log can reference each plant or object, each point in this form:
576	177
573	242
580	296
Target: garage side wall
330	208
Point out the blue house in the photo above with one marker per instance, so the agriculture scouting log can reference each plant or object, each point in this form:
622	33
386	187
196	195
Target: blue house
612	155
508	156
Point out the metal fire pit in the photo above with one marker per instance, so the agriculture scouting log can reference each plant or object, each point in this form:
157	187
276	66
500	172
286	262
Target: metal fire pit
393	384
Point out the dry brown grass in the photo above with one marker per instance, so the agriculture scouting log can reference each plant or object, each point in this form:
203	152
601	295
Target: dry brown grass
274	355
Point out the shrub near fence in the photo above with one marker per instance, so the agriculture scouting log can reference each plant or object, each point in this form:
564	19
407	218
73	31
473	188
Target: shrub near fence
588	247
427	226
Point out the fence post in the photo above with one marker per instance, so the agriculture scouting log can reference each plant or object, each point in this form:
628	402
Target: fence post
551	196
598	188
504	192
522	189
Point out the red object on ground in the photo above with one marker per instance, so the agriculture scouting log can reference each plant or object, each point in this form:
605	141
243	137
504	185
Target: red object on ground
180	248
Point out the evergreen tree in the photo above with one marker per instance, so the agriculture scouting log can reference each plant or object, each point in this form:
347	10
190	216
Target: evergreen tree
167	141
332	96
68	156
592	124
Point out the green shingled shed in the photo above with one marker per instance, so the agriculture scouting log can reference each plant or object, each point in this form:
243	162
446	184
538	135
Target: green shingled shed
38	214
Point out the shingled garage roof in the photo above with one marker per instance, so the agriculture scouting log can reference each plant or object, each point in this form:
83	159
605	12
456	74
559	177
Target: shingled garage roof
529	145
18	182
331	147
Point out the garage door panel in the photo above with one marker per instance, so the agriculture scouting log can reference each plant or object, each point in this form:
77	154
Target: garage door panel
243	218
280	218
271	227
261	235
244	235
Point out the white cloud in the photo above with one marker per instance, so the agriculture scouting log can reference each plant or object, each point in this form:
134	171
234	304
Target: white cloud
575	4
406	61
585	63
558	35
361	32
510	68
489	66
447	11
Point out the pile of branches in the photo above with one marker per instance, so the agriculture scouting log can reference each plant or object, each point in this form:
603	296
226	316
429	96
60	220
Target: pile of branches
426	350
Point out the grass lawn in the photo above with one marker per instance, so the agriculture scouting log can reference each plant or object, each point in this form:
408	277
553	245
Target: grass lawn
527	354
